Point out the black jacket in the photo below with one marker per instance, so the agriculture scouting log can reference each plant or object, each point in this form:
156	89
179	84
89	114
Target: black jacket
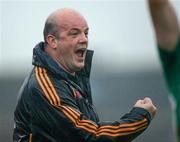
54	106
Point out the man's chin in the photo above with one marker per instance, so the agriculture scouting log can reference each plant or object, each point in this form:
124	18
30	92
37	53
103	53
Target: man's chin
79	67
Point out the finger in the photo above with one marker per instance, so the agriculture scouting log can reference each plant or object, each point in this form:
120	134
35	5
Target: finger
147	100
140	102
154	112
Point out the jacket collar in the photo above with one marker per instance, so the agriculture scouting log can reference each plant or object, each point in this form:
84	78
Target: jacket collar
42	59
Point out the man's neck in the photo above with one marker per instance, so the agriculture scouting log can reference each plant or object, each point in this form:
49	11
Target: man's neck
64	68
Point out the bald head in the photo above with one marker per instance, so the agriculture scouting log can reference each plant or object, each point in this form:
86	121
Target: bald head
61	19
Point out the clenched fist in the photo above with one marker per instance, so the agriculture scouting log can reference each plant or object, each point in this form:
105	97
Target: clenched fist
147	104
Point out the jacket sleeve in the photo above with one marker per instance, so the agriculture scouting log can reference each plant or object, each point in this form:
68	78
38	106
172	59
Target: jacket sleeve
56	117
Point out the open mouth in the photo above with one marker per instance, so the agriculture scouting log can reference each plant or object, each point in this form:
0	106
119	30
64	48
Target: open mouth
80	52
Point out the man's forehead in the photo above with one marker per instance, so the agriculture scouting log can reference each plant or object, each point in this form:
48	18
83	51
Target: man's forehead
73	23
71	19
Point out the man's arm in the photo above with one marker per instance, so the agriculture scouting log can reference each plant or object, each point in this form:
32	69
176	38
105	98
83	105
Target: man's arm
58	109
165	23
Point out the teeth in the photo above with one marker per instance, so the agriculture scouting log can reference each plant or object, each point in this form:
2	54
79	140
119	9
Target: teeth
81	50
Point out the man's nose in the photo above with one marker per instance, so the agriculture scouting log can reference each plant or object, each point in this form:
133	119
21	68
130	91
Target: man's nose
83	38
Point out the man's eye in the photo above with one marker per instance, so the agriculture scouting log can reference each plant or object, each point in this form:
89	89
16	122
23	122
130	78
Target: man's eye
86	34
74	33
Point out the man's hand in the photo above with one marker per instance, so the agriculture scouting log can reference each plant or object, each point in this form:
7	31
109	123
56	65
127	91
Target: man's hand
147	104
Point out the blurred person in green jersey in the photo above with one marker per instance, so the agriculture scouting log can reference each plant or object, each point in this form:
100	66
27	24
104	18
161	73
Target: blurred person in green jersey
167	33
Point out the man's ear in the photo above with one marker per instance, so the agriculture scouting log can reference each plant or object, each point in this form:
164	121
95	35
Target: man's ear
52	41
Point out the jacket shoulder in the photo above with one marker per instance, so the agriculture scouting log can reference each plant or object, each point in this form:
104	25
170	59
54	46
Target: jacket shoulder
49	86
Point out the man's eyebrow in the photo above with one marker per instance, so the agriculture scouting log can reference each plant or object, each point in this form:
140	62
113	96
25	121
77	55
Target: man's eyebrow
77	29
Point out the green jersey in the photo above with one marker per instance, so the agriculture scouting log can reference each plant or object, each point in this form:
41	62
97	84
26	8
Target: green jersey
171	67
